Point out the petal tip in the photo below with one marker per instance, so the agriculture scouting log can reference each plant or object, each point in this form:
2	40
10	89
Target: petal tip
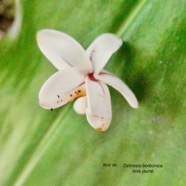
100	129
117	39
135	103
43	105
43	33
98	123
39	36
136	106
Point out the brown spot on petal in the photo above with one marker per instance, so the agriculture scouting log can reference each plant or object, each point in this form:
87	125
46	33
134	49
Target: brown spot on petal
99	129
77	92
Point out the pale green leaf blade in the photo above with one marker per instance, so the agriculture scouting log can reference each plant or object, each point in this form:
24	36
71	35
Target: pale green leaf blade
39	147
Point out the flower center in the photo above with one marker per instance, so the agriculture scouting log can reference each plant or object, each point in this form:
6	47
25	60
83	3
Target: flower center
91	76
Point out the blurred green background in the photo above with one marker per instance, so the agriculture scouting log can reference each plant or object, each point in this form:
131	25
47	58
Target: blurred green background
59	148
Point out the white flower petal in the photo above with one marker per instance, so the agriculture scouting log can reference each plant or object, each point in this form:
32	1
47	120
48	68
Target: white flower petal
98	112
80	105
62	50
120	86
102	49
62	87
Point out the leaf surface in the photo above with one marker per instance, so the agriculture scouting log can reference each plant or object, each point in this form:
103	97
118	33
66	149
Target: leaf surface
40	147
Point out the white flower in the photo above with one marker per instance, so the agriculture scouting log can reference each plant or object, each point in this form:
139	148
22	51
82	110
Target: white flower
80	75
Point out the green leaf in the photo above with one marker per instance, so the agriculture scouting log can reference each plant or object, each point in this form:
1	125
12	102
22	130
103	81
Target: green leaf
39	147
